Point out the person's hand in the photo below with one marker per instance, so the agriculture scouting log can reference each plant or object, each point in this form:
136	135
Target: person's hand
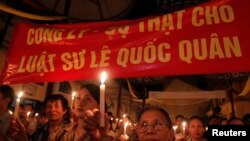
73	115
124	137
92	124
17	130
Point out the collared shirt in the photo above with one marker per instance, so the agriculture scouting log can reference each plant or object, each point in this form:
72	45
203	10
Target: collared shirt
4	122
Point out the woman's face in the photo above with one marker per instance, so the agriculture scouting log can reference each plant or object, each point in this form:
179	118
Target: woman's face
54	110
196	128
84	101
152	127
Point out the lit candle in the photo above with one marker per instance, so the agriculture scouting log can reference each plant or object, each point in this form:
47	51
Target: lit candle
175	127
124	115
28	114
125	127
17	104
102	99
36	114
125	136
72	100
10	112
184	128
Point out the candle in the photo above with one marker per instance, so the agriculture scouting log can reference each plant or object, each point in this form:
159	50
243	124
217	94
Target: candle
102	99
10	112
72	100
125	127
125	136
124	115
184	128
28	114
17	104
36	114
175	127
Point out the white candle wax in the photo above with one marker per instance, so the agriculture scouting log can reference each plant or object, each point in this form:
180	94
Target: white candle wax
125	128
175	127
102	105
72	100
184	124
102	99
28	114
17	104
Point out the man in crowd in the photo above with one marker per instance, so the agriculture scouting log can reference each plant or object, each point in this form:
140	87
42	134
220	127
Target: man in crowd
6	97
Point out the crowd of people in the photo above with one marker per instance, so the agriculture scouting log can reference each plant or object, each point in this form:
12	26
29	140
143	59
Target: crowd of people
82	122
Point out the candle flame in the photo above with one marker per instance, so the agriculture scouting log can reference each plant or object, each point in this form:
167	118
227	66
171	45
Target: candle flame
28	113
11	113
184	124
175	127
36	114
124	115
20	94
103	77
126	124
73	94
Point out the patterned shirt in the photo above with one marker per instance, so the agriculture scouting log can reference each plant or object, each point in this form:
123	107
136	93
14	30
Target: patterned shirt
69	136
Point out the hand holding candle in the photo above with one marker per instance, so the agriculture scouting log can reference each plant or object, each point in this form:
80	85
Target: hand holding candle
102	99
125	136
175	127
17	104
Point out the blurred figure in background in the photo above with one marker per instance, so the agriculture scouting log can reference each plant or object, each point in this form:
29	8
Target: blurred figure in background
235	121
196	129
246	119
7	95
28	118
223	121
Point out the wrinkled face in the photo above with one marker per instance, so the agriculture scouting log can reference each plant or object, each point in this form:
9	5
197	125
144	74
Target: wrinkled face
196	128
152	127
54	110
84	101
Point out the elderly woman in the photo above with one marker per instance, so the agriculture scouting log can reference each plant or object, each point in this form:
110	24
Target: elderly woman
55	109
87	128
154	124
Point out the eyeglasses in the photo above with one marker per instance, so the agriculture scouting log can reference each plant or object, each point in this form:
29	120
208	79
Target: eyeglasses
157	126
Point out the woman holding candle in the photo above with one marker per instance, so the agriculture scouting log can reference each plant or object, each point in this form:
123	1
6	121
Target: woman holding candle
55	106
87	127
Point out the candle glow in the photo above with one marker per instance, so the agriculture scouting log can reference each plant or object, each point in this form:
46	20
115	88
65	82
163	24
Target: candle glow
10	112
125	127
28	114
17	103
175	127
184	124
72	99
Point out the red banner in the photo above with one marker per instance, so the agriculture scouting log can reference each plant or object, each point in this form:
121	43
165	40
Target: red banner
208	38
